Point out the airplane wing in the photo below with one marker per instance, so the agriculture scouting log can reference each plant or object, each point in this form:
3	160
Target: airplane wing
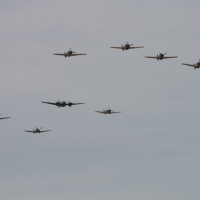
48	103
80	54
45	131
136	47
100	112
77	103
29	131
155	57
115	112
116	47
59	54
4	118
189	65
169	57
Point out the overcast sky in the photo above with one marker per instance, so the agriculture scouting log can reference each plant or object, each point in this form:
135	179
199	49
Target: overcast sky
150	151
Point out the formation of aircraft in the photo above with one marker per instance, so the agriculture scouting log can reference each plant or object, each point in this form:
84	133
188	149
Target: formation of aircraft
161	56
69	54
4	117
62	103
37	130
108	111
197	65
127	46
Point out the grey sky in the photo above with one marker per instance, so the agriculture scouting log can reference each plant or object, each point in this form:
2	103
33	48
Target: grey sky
149	151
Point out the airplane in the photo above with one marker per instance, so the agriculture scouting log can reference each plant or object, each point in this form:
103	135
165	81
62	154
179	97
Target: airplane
127	46
4	117
68	54
108	111
62	103
37	130
197	65
161	56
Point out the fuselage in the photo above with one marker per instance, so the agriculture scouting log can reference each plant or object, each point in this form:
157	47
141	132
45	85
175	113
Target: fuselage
160	56
36	130
107	111
61	104
198	65
68	54
126	47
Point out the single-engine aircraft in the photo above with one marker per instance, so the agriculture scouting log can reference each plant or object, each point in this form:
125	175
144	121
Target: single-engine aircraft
69	53
197	65
108	111
37	130
4	117
62	103
127	46
161	56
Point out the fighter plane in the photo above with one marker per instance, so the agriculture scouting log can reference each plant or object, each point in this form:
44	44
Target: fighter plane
69	54
161	56
127	46
4	117
108	111
197	65
37	130
62	103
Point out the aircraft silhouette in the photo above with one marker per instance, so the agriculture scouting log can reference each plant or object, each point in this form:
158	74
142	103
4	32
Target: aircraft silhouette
108	111
127	46
69	54
197	65
62	103
161	56
37	130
